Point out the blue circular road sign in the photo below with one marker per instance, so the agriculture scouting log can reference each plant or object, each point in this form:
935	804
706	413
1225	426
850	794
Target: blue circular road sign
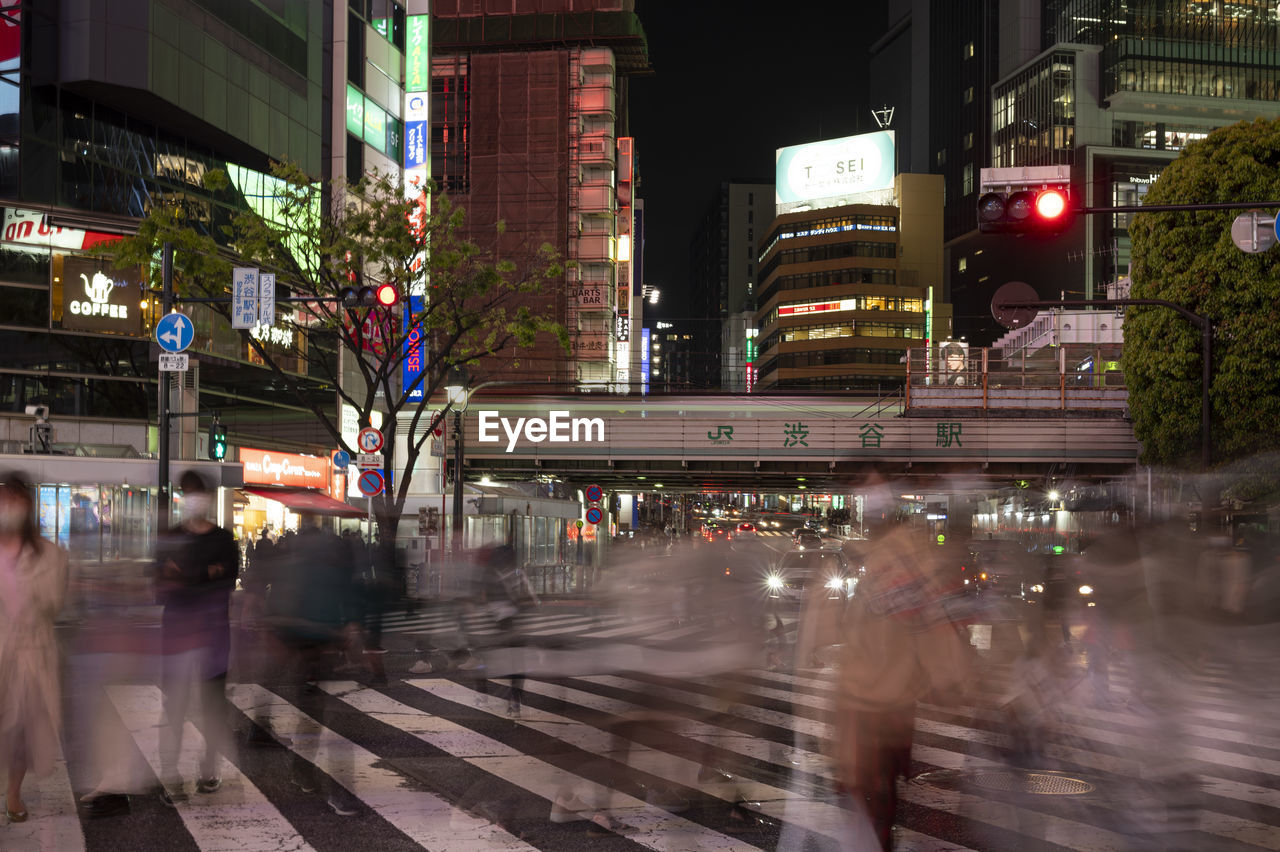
370	483
594	493
341	459
174	332
594	515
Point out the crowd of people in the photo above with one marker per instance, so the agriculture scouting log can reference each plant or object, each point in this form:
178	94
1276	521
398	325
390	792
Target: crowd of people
1152	602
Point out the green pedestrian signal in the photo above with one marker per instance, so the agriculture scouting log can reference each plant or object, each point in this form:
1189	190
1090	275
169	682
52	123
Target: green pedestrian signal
217	442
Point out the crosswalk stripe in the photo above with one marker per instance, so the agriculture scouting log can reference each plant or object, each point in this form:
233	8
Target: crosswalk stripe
817	817
1224	825
237	816
654	827
1076	833
424	817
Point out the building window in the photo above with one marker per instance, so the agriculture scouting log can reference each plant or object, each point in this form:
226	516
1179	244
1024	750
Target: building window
751	198
940	158
968	141
751	216
968	179
967	51
963	265
968	95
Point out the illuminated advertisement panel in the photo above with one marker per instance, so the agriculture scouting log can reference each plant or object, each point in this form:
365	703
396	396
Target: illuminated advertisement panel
268	467
97	297
817	307
417	57
850	170
411	366
644	360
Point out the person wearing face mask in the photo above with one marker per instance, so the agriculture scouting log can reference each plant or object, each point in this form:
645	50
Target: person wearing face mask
33	583
196	568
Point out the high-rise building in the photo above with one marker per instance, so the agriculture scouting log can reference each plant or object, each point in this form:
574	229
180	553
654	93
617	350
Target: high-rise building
848	285
529	128
723	275
108	110
1110	89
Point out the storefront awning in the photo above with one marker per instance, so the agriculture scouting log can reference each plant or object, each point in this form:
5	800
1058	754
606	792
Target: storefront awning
305	501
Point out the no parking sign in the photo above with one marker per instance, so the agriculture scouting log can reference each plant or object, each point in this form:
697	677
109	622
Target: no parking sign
370	482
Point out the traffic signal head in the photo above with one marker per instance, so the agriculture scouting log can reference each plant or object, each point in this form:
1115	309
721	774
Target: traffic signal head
1042	210
217	442
384	295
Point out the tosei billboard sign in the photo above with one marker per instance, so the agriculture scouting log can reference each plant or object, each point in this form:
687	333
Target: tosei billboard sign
835	172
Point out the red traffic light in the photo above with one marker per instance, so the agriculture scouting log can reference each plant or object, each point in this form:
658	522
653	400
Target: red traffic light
387	295
1043	210
1051	204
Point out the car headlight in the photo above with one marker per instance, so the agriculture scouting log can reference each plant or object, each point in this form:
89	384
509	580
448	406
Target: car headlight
773	581
1038	589
835	583
1086	590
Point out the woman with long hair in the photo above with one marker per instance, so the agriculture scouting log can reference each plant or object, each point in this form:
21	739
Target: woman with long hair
33	583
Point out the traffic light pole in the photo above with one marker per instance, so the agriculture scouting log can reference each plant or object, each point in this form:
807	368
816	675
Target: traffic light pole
1206	344
162	406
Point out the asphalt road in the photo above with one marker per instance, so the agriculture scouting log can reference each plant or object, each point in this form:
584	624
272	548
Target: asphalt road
654	754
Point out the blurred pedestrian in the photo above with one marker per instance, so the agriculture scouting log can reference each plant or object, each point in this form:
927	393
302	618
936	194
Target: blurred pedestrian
313	611
33	584
506	596
196	568
896	645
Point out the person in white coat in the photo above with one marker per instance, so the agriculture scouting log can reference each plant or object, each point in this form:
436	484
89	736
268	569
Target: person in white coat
33	584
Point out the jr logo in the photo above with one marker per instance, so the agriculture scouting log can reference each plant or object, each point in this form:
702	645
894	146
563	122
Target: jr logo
722	435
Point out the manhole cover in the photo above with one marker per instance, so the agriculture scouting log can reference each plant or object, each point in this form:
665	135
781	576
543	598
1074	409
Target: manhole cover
1036	783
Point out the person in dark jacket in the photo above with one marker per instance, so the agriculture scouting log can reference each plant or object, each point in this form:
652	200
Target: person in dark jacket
196	568
312	609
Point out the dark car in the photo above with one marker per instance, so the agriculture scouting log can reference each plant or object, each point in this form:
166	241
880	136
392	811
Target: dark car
797	569
807	540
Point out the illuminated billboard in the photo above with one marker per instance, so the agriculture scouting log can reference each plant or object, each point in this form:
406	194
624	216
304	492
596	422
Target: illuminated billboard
851	170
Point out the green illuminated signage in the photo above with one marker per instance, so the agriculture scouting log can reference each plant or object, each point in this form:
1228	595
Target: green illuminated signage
375	126
355	110
417	58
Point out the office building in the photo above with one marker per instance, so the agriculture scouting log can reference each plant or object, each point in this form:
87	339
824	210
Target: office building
106	111
850	269
529	127
722	275
1112	90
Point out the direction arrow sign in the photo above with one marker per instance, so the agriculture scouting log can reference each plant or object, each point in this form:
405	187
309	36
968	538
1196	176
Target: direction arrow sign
341	458
174	332
171	363
370	483
594	515
369	440
368	460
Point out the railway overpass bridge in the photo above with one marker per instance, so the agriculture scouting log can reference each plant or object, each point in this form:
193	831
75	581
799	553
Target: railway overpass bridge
763	442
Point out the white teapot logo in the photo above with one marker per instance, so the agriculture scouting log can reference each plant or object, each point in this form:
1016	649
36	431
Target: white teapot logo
99	304
99	290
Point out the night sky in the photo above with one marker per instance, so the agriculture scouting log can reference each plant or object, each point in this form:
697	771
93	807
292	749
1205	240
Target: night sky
731	84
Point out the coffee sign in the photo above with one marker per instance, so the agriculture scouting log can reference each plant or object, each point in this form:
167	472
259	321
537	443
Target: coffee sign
96	297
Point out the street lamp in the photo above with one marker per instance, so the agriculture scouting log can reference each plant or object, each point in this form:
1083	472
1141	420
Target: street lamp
457	392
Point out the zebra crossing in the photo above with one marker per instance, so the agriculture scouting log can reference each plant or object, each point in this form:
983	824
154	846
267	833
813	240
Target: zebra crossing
644	760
